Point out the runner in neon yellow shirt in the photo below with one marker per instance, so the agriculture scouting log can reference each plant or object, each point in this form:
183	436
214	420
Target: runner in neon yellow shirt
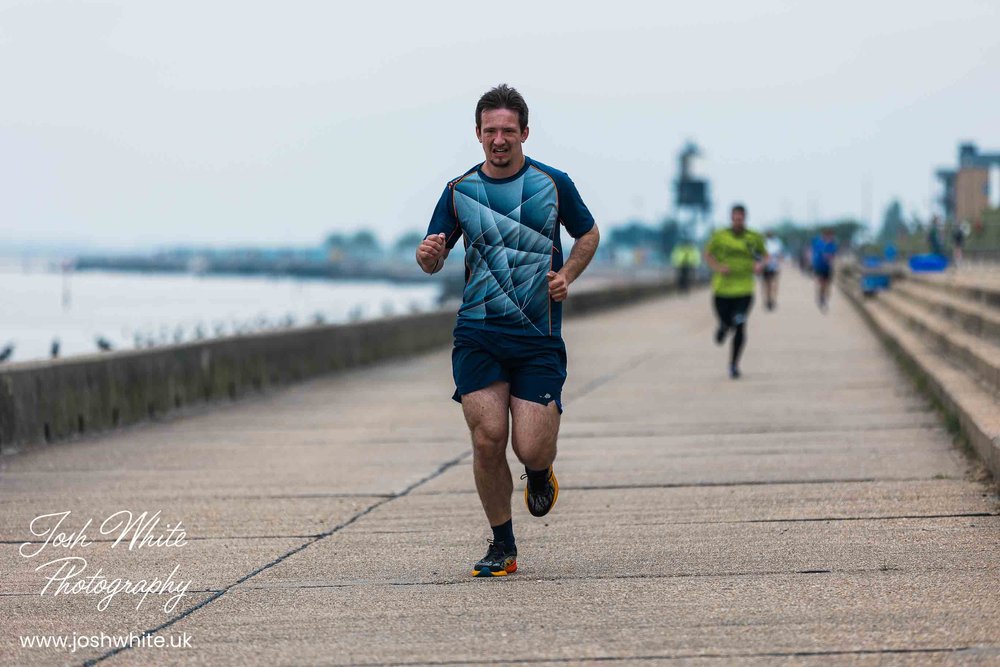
686	259
735	255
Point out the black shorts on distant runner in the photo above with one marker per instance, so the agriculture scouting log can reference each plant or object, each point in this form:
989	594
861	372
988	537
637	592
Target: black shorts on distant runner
824	272
733	310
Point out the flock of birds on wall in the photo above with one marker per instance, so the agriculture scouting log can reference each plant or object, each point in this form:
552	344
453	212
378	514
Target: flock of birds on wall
149	339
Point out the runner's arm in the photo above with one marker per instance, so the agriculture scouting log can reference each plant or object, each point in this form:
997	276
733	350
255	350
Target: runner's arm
764	259
442	234
715	264
583	251
580	224
581	254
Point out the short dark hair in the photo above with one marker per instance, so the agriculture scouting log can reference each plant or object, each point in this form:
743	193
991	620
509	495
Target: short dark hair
503	97
739	207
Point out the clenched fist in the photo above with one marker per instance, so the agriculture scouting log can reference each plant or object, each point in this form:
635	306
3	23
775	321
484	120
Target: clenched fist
430	253
558	287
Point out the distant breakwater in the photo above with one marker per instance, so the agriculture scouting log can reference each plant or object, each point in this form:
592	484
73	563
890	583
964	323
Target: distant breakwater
390	270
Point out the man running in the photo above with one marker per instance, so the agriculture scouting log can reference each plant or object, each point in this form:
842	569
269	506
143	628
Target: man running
735	255
824	249
509	358
772	269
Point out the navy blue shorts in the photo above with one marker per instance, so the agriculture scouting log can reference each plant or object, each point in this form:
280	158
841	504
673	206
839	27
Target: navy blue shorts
534	366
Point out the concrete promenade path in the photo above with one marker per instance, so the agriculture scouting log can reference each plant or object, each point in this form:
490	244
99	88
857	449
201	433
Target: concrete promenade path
813	512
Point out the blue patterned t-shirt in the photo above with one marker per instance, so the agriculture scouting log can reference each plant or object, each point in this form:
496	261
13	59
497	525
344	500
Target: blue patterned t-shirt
511	232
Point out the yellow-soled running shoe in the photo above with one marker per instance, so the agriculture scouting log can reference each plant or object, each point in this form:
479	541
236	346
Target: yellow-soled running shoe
540	501
499	561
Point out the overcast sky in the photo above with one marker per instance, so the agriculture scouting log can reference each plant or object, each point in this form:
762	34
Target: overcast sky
133	123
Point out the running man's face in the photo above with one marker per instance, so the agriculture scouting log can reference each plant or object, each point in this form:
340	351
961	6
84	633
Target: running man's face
501	135
739	220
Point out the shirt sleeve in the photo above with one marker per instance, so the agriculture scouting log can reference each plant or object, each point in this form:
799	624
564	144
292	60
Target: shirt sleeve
573	213
761	246
443	220
712	244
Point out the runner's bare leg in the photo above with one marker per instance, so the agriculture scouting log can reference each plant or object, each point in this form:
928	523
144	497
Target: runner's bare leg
535	430
486	413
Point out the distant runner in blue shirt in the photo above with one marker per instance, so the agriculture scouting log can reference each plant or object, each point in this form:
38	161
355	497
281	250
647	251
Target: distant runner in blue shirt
824	249
509	360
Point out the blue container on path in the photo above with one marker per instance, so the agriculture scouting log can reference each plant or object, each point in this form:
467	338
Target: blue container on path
874	282
874	277
930	263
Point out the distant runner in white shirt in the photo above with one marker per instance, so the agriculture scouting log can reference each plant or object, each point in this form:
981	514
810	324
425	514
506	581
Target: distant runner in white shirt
775	250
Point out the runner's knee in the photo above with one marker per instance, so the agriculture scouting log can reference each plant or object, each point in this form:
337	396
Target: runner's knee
489	441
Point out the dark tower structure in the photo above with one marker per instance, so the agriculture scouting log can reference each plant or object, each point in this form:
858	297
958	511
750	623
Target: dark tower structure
692	201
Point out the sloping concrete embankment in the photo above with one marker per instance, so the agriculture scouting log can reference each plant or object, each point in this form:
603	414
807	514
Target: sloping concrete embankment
945	330
49	401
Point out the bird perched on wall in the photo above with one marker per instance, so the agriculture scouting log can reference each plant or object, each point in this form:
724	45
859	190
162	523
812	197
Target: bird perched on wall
54	350
103	344
6	353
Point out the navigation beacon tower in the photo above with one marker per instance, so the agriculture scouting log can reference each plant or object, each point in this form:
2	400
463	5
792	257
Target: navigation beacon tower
692	202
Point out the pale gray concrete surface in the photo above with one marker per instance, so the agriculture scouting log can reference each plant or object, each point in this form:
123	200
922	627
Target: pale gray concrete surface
813	512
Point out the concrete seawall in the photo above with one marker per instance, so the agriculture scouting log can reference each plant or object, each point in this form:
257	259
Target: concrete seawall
945	338
48	401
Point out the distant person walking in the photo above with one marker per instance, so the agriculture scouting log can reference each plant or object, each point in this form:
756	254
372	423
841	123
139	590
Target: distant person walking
934	236
958	236
509	359
772	268
824	250
805	259
734	254
686	260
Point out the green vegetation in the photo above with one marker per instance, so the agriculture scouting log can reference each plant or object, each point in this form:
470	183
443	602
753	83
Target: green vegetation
985	237
912	237
659	239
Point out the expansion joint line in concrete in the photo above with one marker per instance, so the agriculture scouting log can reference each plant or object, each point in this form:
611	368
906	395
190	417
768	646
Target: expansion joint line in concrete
645	576
644	356
824	519
305	545
691	656
820	519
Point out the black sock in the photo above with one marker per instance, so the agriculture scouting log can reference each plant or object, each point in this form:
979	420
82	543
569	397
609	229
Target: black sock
504	533
537	478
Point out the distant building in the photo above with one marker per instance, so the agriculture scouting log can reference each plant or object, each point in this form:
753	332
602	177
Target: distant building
966	194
